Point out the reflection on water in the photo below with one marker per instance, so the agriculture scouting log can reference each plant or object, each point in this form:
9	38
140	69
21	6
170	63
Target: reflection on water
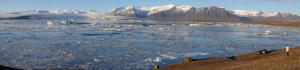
31	44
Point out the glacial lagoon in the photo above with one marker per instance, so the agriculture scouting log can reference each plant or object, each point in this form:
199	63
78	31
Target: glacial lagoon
130	44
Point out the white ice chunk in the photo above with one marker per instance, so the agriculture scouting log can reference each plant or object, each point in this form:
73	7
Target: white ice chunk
49	23
168	56
190	54
267	32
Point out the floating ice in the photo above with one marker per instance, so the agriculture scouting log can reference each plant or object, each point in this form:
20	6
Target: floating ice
182	55
190	54
285	33
130	45
63	22
112	29
194	24
96	60
157	60
49	23
267	32
169	56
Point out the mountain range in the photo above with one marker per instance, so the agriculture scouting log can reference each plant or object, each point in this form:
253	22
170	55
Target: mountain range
168	12
181	12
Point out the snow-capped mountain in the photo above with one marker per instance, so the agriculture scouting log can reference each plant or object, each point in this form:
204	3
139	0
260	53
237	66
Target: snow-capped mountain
206	13
263	16
130	11
49	14
166	12
175	12
143	12
153	10
181	12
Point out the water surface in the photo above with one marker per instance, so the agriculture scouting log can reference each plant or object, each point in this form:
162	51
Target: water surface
128	45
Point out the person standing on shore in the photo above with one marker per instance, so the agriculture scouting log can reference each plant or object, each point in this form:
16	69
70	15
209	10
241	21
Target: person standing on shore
287	48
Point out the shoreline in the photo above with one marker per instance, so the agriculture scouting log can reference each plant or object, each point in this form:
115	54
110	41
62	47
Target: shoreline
272	23
273	60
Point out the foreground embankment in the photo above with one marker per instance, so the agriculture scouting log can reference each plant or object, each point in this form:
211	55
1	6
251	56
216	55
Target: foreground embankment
273	60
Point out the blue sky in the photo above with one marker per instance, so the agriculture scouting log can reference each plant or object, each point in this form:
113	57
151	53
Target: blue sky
288	6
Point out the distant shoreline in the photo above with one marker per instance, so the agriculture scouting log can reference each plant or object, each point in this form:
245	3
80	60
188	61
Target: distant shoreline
274	60
273	23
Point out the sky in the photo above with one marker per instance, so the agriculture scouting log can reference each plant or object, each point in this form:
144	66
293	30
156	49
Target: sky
286	6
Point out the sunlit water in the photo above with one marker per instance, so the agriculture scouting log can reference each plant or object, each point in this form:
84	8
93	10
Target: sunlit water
129	45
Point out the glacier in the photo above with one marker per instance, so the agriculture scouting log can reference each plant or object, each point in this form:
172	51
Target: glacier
45	14
246	13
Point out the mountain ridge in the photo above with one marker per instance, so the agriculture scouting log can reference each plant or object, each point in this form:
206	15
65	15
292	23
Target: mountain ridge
169	12
176	12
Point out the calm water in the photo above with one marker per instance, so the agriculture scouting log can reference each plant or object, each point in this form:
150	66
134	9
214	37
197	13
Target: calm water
127	45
